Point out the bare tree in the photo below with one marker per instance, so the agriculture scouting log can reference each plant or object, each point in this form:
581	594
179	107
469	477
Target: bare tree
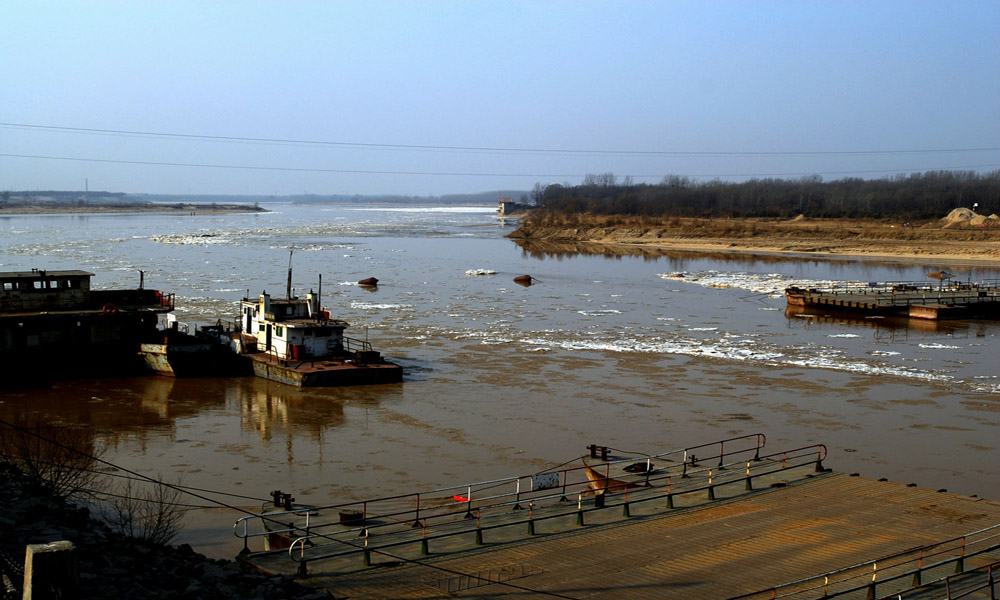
538	194
144	511
60	460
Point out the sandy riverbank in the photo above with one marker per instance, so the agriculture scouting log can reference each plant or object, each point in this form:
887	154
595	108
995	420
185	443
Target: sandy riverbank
812	237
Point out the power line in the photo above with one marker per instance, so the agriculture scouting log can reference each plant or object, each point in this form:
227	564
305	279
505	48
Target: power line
468	174
509	150
249	513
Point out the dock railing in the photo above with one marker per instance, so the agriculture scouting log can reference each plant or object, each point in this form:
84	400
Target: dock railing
551	498
940	564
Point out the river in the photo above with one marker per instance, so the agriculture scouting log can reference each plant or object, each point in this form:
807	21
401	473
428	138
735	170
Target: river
643	353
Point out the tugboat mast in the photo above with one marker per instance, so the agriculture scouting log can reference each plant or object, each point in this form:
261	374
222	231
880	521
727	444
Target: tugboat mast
288	287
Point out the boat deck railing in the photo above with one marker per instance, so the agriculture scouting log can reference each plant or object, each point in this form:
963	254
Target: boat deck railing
555	497
355	345
940	567
131	300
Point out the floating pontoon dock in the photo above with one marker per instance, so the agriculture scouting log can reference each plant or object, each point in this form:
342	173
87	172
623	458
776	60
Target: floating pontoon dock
744	522
918	300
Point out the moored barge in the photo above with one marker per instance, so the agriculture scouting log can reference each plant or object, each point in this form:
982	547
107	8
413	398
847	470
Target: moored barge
54	326
916	300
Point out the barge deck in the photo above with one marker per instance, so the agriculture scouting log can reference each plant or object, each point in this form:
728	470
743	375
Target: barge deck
916	300
785	526
355	369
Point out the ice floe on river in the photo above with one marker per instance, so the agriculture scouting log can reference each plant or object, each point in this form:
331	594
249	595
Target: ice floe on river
770	284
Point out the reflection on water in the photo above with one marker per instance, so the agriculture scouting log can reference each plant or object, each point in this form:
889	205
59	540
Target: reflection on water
647	351
881	324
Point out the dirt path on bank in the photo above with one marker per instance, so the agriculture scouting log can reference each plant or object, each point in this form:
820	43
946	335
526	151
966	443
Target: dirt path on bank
929	240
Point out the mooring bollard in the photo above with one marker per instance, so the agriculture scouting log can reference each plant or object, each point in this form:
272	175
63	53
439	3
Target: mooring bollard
479	532
579	510
749	485
711	488
625	510
531	518
51	571
670	495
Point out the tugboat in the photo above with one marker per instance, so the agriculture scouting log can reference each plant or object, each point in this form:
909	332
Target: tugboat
293	341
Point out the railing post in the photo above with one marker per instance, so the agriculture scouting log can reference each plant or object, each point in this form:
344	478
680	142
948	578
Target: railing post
423	540
960	563
819	460
871	586
517	496
479	531
416	514
920	565
625	510
564	498
722	454
468	498
367	552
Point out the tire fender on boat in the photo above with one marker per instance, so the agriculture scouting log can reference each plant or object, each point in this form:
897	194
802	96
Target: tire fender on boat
110	309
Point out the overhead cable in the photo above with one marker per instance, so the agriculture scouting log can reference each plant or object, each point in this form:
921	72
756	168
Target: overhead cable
513	150
472	174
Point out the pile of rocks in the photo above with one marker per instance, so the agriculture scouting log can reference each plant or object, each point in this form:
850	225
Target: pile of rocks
112	566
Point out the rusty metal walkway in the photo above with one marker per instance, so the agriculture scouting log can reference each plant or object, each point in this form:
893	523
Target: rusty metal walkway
738	543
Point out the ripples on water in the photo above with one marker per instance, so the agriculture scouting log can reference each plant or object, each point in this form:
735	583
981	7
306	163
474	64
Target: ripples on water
502	378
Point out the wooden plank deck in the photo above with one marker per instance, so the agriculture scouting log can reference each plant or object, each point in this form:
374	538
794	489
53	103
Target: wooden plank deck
716	550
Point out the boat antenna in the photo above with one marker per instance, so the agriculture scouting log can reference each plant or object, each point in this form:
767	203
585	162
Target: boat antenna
288	288
319	299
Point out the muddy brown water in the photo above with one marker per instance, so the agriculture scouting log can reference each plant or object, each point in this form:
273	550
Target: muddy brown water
502	379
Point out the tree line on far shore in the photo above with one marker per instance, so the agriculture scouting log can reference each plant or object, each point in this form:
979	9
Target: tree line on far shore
932	194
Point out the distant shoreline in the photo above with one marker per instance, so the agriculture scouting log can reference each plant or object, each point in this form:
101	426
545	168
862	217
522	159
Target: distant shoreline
173	208
813	238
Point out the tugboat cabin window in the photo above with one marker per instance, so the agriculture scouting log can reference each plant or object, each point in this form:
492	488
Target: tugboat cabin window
9	286
289	310
280	331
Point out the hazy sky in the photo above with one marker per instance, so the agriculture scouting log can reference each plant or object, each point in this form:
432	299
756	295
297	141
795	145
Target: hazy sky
427	97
